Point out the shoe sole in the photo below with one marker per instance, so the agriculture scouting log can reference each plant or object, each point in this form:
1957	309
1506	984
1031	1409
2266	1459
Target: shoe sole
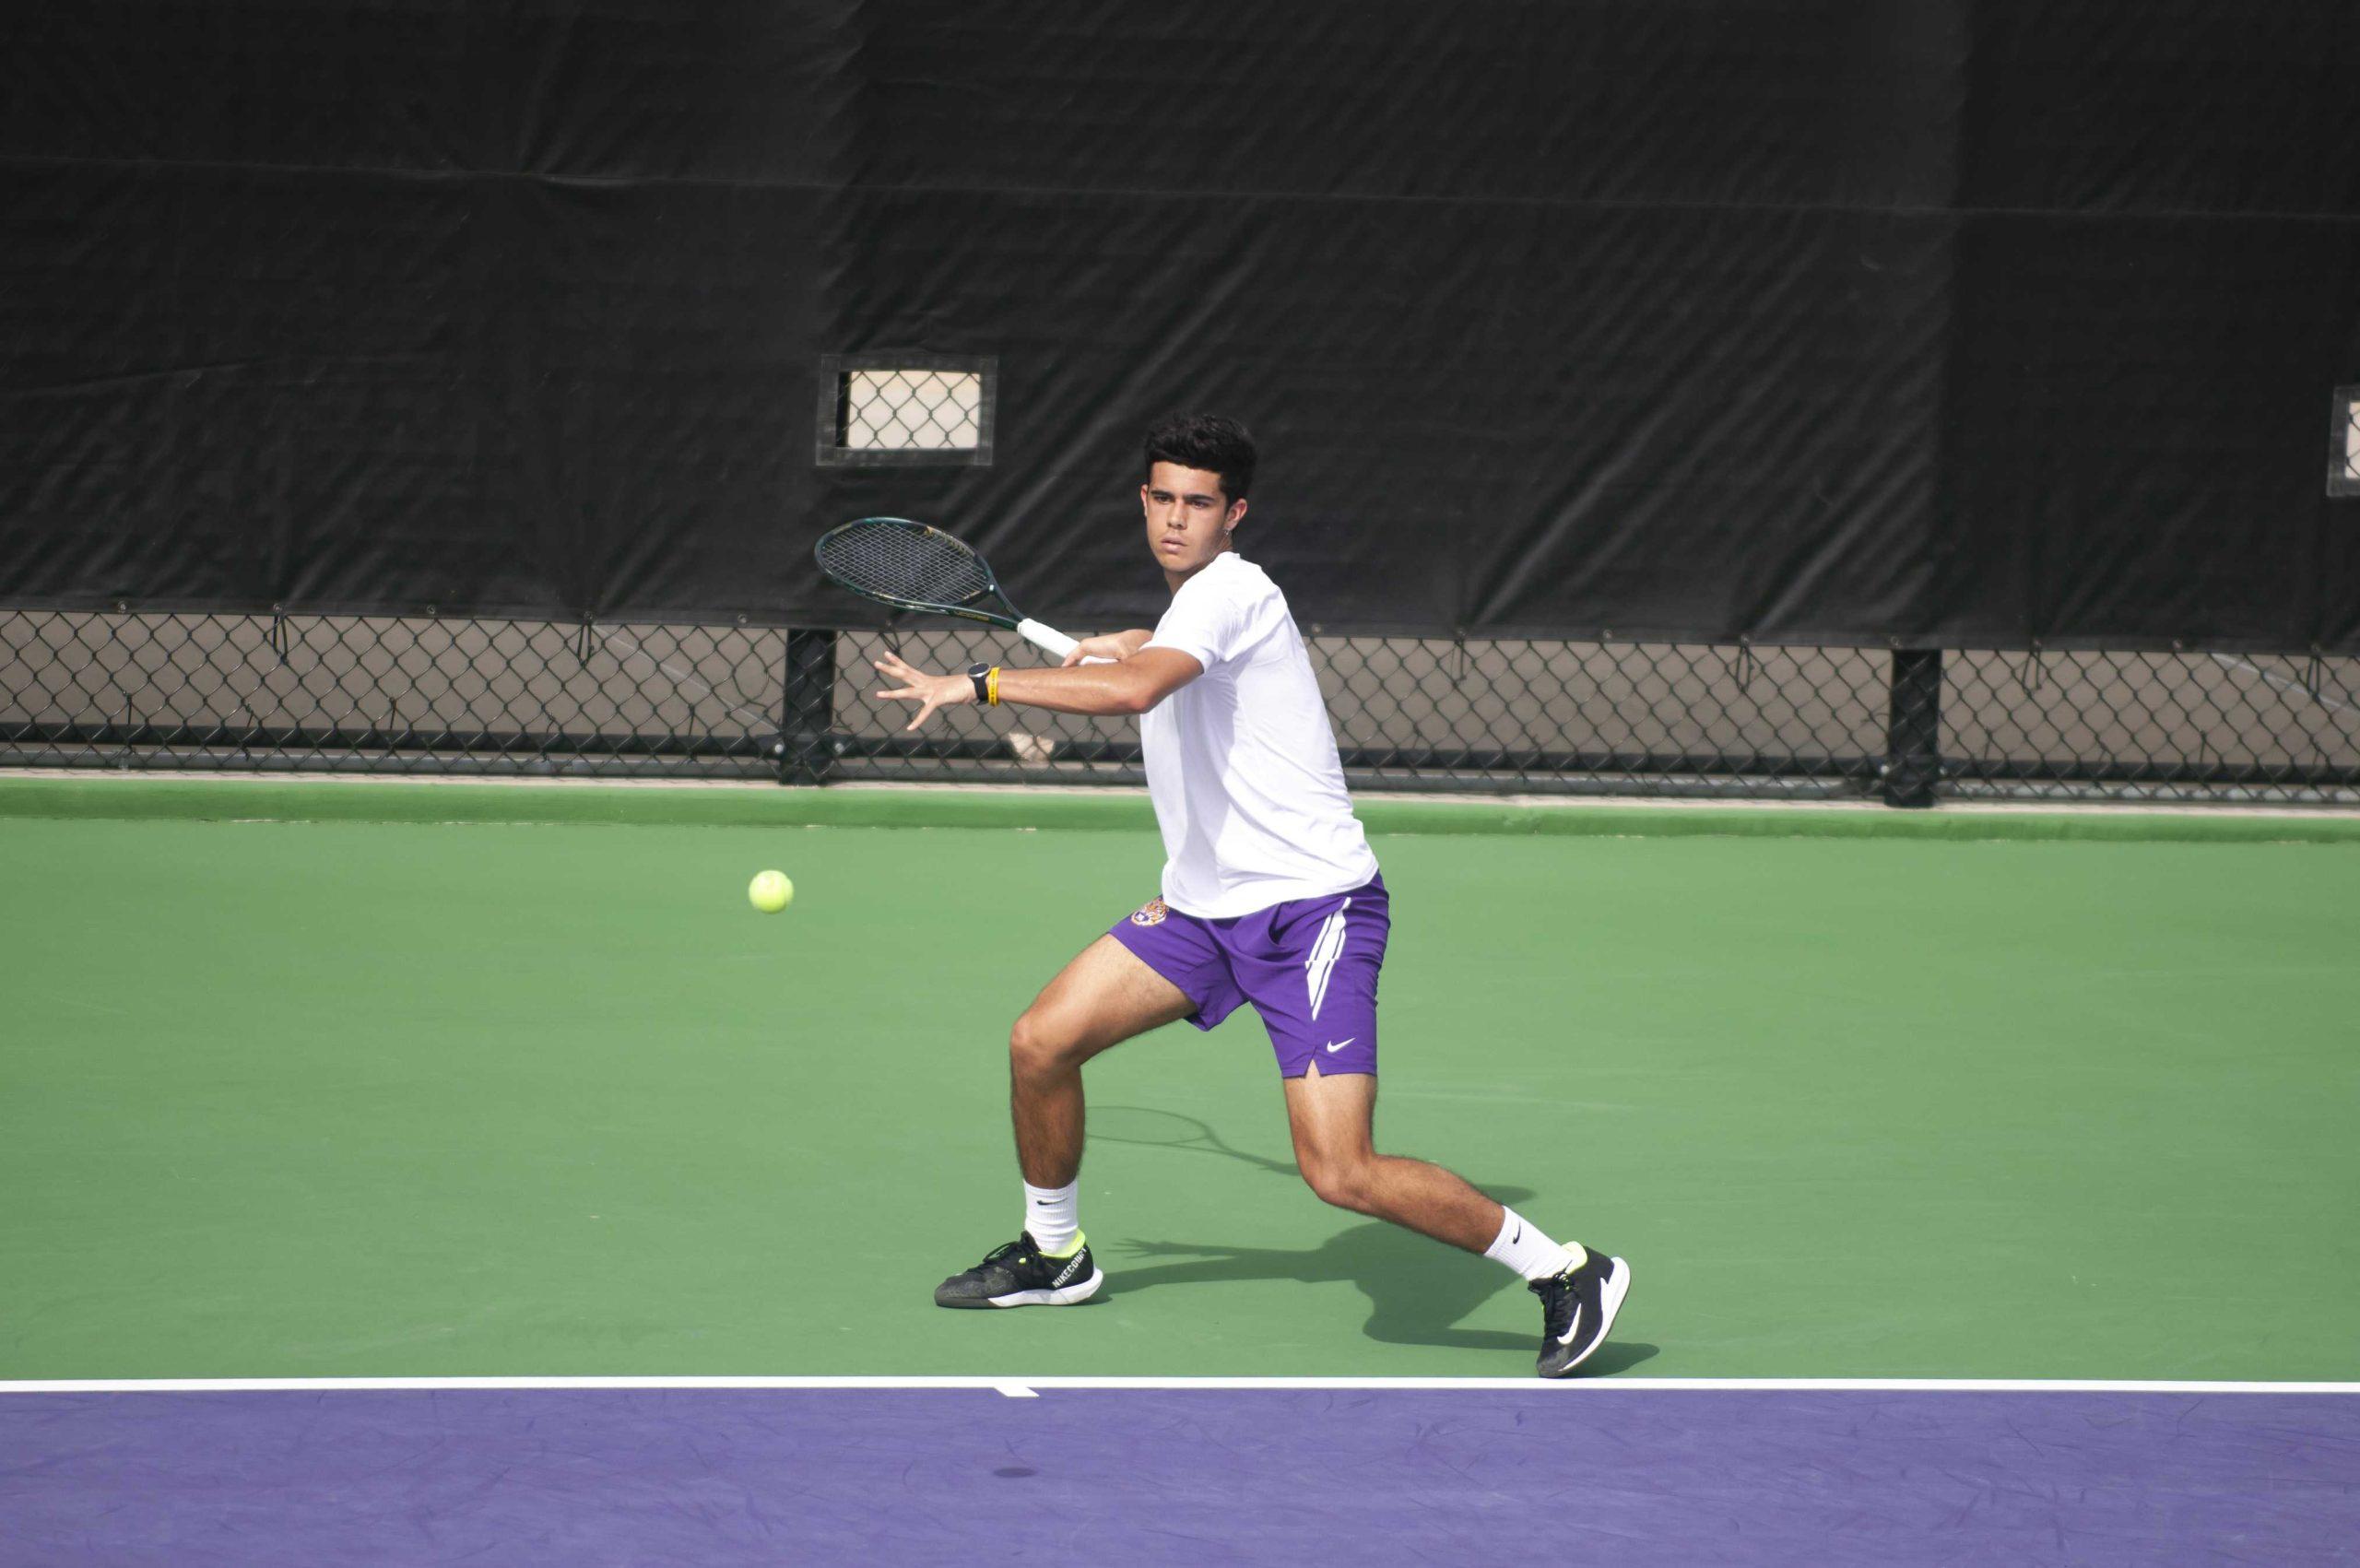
1609	1302
1069	1296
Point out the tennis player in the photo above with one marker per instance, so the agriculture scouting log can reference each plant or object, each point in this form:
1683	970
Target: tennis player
1269	896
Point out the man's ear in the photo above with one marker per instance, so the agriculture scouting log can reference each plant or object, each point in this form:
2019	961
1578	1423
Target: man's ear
1236	515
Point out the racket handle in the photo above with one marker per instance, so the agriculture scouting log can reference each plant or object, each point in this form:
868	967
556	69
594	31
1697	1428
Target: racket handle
1050	640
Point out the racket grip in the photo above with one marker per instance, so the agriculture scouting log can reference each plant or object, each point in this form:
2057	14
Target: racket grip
1050	640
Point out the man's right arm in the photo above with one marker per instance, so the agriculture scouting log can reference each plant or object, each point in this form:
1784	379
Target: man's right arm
1115	645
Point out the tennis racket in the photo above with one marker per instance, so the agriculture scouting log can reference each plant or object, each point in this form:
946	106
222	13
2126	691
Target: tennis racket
914	567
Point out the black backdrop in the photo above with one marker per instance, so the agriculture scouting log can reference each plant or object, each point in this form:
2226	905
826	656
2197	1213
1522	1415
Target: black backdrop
1957	322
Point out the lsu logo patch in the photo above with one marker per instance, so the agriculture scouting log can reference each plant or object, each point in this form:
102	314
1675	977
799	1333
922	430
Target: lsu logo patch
1150	914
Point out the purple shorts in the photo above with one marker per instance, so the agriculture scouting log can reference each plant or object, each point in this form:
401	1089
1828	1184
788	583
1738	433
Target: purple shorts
1309	967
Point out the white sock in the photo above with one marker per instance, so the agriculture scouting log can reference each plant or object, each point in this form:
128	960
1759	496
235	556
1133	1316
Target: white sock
1522	1247
1052	1214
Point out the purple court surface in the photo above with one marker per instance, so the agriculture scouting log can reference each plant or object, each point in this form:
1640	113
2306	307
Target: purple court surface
1175	1475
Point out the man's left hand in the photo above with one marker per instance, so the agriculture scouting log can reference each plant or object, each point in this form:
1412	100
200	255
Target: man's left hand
932	690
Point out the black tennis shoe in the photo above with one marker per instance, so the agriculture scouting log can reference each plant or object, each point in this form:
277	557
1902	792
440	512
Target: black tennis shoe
1576	1309
1017	1275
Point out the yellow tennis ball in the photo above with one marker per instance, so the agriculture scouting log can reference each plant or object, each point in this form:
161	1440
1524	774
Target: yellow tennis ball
769	891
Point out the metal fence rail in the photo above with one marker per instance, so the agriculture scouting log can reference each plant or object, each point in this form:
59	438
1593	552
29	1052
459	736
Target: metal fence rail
383	695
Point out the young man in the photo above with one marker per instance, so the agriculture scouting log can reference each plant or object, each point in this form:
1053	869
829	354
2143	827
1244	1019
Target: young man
1270	896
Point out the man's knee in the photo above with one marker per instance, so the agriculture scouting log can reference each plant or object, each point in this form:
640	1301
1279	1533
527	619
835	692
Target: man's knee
1345	1183
1038	1046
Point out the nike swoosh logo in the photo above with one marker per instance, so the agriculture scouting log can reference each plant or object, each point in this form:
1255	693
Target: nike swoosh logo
1567	1337
1340	1045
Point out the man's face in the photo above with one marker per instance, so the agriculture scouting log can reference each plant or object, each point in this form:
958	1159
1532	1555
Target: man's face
1188	518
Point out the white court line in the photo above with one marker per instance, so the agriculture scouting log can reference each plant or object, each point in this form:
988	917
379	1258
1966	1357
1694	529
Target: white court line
1030	1386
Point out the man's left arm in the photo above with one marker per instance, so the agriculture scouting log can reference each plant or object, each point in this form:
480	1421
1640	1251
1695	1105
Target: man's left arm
1131	686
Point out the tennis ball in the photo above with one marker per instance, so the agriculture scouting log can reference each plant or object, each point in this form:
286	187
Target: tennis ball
769	891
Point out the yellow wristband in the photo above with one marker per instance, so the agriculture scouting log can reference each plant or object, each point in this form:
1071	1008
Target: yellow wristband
991	686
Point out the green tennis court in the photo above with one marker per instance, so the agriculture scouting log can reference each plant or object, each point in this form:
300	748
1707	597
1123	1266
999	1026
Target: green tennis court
522	1086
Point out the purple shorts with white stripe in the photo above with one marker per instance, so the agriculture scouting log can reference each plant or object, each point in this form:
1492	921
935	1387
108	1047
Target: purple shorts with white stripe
1309	967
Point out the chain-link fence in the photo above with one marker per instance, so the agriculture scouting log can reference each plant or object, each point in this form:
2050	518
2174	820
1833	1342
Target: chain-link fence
371	695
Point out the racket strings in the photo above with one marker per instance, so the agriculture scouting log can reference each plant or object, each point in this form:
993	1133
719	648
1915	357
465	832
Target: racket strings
904	563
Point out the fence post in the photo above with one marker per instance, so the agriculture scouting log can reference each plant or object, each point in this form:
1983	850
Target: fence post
1913	737
807	711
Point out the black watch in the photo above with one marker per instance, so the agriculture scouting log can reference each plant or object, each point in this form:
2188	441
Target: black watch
978	673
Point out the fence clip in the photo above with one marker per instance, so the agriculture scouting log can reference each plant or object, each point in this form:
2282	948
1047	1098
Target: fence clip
2030	679
581	640
2315	675
280	639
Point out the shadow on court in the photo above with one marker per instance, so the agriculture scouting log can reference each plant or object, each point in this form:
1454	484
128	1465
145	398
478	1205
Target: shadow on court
1418	1289
1148	1127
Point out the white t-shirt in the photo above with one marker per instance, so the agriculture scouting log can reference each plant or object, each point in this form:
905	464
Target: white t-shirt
1241	763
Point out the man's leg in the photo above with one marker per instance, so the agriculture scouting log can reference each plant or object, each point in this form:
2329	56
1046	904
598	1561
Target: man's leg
1104	996
1332	1120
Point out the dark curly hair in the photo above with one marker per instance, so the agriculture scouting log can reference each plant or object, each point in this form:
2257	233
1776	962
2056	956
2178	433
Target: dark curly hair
1208	442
